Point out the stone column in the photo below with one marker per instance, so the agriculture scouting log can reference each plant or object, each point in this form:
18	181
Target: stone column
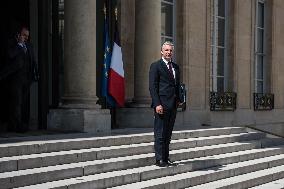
127	23
147	45
146	50
80	53
79	110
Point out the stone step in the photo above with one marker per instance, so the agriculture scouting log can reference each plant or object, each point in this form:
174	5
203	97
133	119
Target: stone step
56	158
45	146
118	178
58	172
246	180
276	184
272	142
268	167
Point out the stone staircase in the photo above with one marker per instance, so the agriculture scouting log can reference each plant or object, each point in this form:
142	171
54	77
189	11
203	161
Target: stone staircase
232	157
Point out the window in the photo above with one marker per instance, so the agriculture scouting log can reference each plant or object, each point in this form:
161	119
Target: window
168	21
219	45
260	47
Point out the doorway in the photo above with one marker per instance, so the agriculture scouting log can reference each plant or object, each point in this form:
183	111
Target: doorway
14	14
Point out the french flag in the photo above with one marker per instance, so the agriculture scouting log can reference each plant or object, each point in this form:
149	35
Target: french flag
116	72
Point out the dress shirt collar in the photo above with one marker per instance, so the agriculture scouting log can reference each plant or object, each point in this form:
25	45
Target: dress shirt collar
167	62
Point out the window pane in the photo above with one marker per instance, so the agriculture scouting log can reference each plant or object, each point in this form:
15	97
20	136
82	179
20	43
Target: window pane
162	40
169	39
260	16
260	40
167	20
259	67
259	86
220	84
221	32
220	62
170	1
218	42
221	8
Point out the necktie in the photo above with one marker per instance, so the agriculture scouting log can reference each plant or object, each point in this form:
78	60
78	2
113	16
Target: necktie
171	69
25	48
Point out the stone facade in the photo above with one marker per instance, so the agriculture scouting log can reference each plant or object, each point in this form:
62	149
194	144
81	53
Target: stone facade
193	54
140	23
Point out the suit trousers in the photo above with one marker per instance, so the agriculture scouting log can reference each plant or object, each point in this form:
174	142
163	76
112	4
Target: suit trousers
19	108
163	128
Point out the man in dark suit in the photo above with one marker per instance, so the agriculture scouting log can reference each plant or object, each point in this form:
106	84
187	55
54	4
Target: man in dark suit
19	74
164	83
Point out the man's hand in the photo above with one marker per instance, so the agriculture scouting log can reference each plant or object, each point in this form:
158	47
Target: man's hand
180	103
159	109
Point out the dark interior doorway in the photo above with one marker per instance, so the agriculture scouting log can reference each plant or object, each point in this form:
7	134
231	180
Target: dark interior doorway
12	15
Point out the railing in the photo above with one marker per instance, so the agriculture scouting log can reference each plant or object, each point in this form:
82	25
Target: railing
263	101
223	101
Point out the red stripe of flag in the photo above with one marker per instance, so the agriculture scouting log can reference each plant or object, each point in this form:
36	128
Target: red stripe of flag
116	87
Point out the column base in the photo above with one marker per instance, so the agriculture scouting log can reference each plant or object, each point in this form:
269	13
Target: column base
140	102
80	120
79	102
135	117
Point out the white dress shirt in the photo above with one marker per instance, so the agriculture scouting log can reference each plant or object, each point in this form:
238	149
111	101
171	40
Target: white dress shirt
167	64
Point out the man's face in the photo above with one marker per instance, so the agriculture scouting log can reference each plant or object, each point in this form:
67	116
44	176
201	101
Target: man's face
167	52
24	35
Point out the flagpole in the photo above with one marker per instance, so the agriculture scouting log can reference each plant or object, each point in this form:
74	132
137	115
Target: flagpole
115	13
104	10
112	110
105	98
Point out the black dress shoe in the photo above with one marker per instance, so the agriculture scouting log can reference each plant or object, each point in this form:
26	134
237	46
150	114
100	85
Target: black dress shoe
169	162
161	163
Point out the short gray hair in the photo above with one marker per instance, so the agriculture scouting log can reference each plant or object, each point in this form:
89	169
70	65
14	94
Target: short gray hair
167	43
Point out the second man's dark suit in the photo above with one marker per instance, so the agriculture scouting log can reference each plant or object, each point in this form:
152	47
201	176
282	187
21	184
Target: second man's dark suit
164	90
20	72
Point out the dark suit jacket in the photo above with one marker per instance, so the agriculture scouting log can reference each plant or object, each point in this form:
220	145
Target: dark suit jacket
164	89
20	65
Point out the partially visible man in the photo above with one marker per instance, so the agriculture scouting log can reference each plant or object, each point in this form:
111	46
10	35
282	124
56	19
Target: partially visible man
164	84
20	73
